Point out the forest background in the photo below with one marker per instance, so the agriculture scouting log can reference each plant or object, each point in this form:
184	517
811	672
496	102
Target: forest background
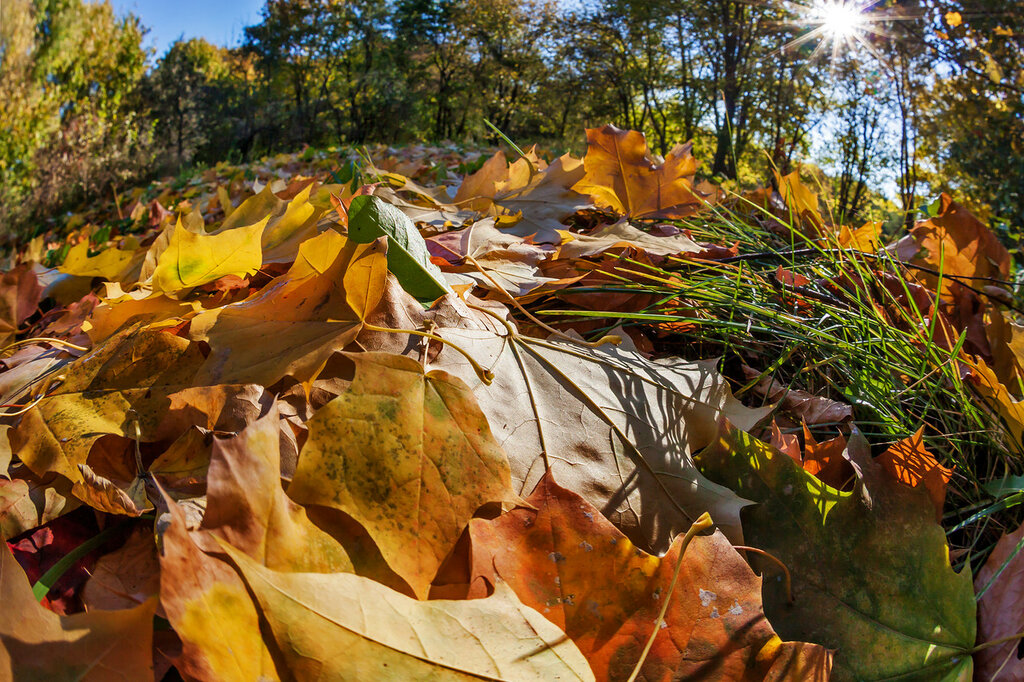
929	98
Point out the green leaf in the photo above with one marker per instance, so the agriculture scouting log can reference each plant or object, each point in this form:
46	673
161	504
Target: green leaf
870	568
408	259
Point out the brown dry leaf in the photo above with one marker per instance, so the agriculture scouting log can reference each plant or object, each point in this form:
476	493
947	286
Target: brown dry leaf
210	609
124	381
406	454
565	560
247	506
477	190
611	426
345	627
909	462
544	200
127	576
999	612
963	244
20	293
826	461
27	502
37	644
810	408
297	321
621	235
787	443
1000	400
620	175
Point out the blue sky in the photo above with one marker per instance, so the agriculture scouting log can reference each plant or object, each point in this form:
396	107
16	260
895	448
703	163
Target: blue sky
219	21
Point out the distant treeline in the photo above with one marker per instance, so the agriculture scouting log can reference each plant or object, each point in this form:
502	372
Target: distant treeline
930	95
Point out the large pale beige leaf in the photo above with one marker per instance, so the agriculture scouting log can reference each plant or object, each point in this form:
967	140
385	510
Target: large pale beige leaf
610	425
545	200
409	456
297	321
344	627
37	644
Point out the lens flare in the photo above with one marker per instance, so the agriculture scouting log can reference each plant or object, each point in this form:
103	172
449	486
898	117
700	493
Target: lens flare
840	20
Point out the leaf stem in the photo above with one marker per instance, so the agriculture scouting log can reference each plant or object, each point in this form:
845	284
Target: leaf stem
611	338
700	525
777	560
485	375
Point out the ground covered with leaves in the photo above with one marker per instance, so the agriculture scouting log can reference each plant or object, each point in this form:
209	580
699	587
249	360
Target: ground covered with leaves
437	413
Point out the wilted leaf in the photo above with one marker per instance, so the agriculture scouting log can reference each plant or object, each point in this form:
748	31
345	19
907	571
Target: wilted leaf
409	456
1000	584
545	200
37	644
565	560
342	627
192	259
19	296
870	568
127	576
297	321
371	218
621	175
210	609
247	507
610	425
622	234
910	463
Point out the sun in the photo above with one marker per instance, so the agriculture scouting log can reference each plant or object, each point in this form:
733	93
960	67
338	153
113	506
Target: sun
838	26
840	20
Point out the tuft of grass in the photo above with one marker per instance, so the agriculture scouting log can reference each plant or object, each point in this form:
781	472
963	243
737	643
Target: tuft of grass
853	333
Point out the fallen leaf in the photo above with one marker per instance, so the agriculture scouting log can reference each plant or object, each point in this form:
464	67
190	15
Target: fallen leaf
341	626
565	560
620	175
126	577
911	464
870	568
610	425
409	456
192	259
37	644
371	218
209	608
297	321
110	263
622	234
999	613
20	293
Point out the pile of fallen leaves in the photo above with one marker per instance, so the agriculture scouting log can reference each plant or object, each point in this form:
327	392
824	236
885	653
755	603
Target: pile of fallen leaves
297	426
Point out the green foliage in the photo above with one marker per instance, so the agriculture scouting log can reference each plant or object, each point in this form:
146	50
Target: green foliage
71	122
